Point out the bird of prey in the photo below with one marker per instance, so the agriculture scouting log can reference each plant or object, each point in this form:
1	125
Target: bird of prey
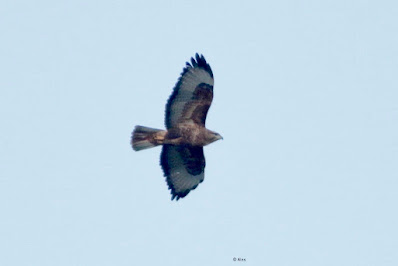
182	157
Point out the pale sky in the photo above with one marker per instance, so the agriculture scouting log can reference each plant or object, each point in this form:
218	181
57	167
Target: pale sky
305	96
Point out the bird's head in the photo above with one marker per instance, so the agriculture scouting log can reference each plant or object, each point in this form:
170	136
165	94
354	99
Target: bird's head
214	136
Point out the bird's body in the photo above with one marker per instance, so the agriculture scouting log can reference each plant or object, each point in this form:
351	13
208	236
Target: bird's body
185	136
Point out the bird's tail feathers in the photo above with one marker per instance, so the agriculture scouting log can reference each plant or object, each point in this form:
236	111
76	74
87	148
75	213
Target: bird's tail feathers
145	137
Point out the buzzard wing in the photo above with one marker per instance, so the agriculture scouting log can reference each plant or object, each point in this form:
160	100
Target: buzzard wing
183	168
192	95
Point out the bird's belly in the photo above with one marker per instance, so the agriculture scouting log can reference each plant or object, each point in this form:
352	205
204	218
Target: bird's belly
192	136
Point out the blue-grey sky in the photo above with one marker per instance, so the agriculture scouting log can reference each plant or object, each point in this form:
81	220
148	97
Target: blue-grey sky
306	98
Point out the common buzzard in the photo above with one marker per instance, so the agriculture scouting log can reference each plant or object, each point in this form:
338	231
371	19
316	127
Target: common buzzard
182	157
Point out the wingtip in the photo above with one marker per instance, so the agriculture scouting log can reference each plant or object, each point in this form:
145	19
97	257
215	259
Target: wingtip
199	58
174	196
200	62
193	62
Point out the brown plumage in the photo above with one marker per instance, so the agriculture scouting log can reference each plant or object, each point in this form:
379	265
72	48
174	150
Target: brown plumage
182	157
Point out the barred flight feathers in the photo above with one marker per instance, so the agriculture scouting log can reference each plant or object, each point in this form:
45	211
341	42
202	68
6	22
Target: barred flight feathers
192	95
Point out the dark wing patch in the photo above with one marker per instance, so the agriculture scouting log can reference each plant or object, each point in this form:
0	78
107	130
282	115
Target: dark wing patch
192	95
196	110
183	168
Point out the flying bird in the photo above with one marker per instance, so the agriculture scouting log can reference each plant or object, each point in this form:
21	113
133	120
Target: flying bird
182	158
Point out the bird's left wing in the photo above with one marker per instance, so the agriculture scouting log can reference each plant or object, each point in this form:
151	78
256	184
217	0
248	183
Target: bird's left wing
183	168
192	95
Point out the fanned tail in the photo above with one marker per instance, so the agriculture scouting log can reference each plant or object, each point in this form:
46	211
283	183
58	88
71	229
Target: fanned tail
145	137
